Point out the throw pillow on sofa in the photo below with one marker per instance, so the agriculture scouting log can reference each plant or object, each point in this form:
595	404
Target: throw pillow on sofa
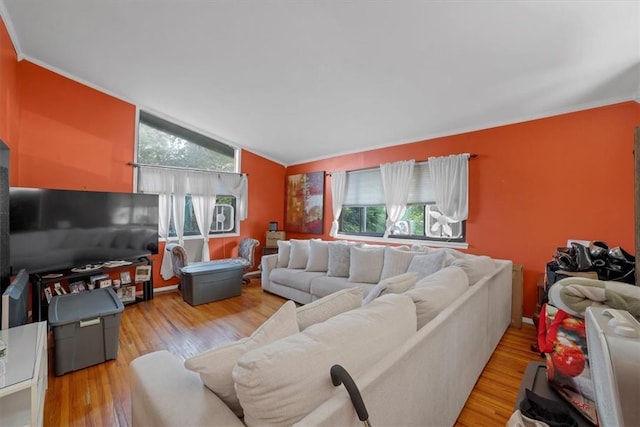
318	256
284	250
476	267
396	261
434	293
339	259
393	285
366	264
328	306
299	254
428	264
280	383
215	365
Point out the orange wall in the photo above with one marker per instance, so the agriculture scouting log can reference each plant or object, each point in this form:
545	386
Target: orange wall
72	136
534	184
66	135
9	114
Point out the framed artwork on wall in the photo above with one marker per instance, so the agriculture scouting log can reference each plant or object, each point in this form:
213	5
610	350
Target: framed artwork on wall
305	203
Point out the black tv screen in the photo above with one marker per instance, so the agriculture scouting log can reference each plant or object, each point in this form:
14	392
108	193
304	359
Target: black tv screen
53	230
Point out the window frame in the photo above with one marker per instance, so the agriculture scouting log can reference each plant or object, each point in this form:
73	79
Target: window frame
416	191
195	130
212	234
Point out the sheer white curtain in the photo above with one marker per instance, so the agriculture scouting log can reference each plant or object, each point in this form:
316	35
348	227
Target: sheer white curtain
338	187
396	179
203	186
160	181
180	190
237	185
200	185
450	179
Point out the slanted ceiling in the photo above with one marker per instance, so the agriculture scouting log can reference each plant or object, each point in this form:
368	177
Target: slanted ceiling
302	80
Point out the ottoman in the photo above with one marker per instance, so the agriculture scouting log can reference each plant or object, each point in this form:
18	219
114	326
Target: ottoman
211	281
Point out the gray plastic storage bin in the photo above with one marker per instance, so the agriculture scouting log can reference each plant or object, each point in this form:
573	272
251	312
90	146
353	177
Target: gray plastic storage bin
86	328
211	281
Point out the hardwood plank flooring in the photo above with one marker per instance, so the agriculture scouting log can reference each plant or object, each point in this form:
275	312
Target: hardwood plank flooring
100	396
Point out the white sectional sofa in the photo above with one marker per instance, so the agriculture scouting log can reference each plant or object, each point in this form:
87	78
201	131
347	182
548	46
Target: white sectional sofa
415	352
305	270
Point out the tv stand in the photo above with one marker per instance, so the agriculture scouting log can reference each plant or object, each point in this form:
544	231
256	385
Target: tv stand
40	280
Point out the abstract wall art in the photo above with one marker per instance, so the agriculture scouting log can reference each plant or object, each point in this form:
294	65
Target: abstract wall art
305	203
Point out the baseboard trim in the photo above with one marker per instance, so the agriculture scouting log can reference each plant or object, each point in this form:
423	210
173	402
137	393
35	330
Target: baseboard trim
165	288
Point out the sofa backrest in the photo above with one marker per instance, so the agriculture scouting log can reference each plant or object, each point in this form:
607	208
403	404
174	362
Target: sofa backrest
280	383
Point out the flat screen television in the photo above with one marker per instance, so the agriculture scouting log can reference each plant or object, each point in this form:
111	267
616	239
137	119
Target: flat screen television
52	230
15	302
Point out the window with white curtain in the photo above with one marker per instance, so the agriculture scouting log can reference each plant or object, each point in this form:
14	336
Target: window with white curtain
163	143
364	212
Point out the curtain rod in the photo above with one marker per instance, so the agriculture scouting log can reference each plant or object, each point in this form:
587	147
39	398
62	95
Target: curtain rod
471	156
137	165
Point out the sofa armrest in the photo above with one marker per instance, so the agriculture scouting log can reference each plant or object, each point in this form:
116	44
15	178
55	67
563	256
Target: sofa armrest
165	393
267	264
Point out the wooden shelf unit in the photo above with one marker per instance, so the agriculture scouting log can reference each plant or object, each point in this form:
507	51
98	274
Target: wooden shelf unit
39	281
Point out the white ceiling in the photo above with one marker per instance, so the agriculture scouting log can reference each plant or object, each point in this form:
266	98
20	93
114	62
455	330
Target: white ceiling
302	80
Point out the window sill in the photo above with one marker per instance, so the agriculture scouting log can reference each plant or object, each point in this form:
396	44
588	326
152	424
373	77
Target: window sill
199	237
431	243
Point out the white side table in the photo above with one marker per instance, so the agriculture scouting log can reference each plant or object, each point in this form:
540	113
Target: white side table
24	382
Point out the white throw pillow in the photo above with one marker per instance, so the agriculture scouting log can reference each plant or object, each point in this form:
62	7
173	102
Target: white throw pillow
476	267
318	256
299	253
280	383
339	259
393	285
215	365
428	264
329	306
366	264
396	261
434	293
284	250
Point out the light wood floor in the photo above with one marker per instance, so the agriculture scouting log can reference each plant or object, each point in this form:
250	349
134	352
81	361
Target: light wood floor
99	395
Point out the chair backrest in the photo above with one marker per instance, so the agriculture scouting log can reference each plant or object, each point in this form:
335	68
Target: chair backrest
246	249
178	257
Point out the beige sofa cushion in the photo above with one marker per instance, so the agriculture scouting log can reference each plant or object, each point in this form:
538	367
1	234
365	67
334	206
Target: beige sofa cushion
435	292
393	285
215	365
299	254
476	267
396	261
339	259
428	264
318	256
164	394
366	264
328	306
284	250
280	383
323	286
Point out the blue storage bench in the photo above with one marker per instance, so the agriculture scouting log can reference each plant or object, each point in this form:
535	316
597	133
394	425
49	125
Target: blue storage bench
211	281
